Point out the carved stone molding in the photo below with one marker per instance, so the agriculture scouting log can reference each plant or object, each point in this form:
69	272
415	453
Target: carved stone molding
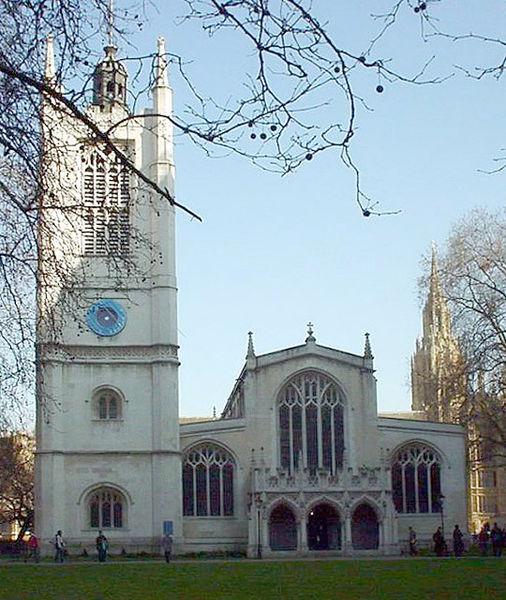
115	354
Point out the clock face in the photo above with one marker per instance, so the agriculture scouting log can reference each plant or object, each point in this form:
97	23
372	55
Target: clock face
106	317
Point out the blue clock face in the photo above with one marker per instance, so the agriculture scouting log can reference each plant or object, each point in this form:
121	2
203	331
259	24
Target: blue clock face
106	317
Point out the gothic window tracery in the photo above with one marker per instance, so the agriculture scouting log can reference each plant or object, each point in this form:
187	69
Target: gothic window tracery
208	482
107	405
416	479
311	423
106	509
106	199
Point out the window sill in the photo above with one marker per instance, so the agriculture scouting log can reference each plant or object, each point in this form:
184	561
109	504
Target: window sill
107	420
419	514
97	529
204	518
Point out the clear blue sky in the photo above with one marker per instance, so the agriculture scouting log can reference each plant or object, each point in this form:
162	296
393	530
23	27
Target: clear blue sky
274	253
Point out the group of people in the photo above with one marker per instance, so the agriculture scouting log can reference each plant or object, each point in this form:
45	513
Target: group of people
101	544
495	536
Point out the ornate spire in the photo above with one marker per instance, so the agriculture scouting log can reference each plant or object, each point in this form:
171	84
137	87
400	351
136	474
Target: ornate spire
251	349
49	68
435	287
161	78
367	348
436	316
310	336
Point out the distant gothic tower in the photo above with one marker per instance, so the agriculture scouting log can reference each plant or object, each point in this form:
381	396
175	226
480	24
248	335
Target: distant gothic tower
439	388
436	366
107	396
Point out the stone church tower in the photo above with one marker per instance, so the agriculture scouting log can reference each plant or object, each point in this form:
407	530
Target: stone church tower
436	366
439	388
107	395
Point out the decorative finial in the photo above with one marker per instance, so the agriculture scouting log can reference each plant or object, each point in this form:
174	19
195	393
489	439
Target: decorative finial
310	336
434	259
161	79
367	348
214	412
435	286
110	23
251	349
49	69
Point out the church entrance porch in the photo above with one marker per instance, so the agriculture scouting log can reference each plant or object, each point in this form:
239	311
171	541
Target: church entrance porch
364	528
323	528
282	529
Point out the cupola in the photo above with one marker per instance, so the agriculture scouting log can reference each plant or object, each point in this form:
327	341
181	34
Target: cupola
109	81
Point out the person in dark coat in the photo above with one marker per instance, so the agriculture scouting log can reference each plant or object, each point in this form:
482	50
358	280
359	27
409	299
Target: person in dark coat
102	546
458	542
496	537
439	542
59	546
483	540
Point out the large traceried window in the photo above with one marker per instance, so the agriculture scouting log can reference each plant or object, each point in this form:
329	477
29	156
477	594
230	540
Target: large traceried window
106	197
208	482
416	479
106	508
311	423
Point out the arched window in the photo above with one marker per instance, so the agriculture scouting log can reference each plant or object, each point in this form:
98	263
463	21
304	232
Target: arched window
106	509
311	423
416	479
208	482
106	194
107	405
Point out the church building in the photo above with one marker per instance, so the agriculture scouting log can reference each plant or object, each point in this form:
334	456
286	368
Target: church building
299	462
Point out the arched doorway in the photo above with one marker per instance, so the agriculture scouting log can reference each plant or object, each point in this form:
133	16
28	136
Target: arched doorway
364	528
282	529
323	528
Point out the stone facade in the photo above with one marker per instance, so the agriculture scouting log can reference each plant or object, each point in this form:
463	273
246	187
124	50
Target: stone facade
299	461
251	436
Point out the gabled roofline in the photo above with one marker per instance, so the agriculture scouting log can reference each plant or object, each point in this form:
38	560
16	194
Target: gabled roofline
359	356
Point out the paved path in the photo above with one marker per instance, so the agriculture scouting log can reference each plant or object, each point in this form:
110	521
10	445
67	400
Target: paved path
193	561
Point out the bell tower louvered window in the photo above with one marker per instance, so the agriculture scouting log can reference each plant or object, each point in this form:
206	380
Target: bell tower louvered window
106	198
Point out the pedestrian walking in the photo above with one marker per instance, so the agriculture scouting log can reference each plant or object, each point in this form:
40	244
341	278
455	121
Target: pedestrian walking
59	546
167	547
439	542
458	542
413	542
483	540
102	546
33	547
496	537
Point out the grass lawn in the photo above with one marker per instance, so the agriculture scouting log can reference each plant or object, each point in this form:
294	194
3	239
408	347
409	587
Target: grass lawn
390	579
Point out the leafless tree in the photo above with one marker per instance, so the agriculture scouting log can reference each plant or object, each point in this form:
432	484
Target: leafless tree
473	274
16	481
301	97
